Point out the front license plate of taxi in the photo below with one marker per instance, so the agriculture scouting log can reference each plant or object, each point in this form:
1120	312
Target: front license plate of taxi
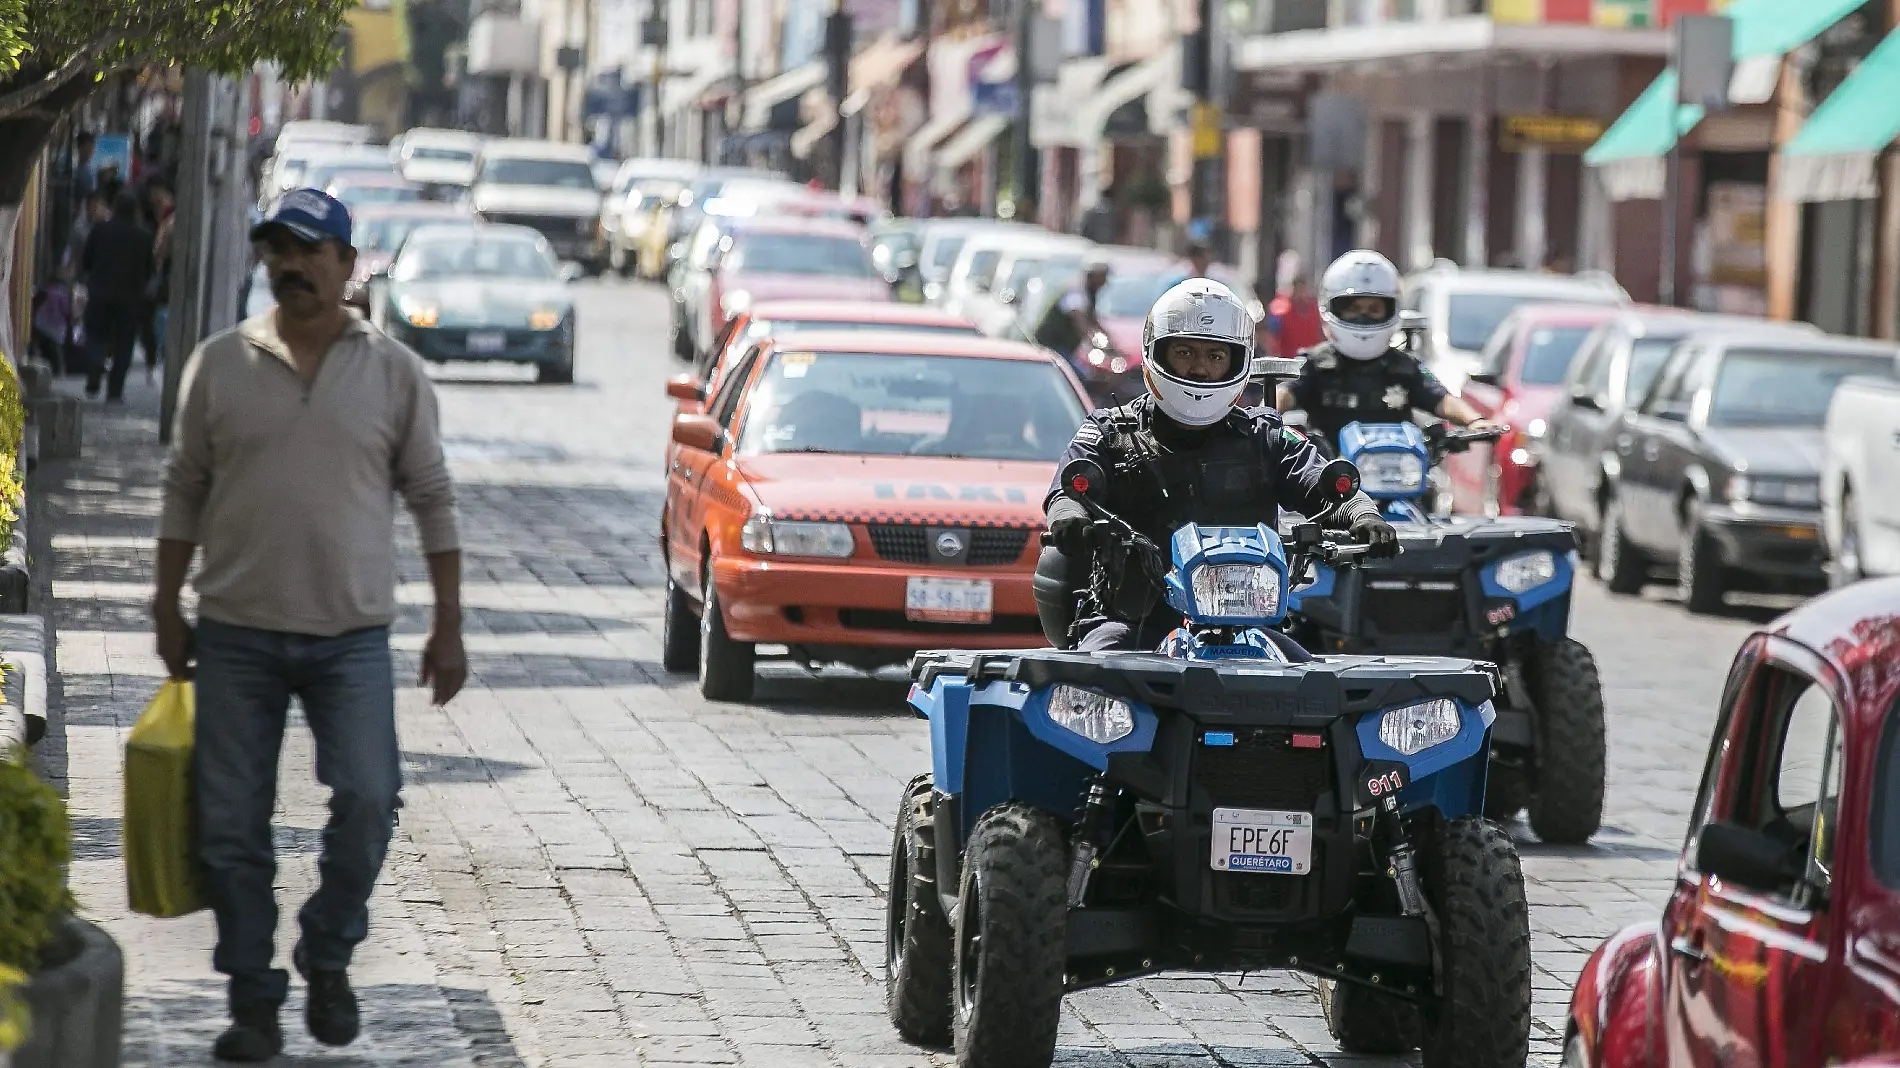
941	600
1262	840
487	341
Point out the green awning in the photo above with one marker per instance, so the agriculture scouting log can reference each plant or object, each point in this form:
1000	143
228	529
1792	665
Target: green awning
1762	28
1833	156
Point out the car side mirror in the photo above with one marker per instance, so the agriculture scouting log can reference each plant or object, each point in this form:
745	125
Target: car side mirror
1083	477
905	261
1484	378
572	272
1744	856
701	432
685	387
1339	479
1587	401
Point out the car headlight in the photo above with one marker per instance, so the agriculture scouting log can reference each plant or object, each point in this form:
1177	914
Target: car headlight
1414	728
544	319
1527	571
779	537
1236	591
735	302
1796	492
1390	472
1096	716
422	314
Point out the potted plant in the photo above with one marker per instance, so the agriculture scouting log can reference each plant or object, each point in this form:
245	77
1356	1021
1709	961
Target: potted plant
61	978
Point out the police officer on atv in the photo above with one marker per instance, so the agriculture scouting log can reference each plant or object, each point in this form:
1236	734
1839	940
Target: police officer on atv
1357	374
1183	453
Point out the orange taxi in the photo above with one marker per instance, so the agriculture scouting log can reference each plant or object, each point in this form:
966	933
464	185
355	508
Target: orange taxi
857	495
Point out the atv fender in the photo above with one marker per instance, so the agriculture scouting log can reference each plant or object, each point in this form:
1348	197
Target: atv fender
1449	775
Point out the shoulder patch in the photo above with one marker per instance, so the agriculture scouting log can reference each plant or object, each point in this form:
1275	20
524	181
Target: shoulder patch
1089	433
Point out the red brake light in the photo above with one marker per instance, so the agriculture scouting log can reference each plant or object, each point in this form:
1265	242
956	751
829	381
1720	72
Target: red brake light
1308	741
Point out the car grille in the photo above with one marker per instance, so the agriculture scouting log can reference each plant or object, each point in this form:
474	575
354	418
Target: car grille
910	544
1416	611
1263	770
883	619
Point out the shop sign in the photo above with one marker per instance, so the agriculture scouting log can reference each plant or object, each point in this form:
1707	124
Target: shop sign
1208	139
1270	101
1552	133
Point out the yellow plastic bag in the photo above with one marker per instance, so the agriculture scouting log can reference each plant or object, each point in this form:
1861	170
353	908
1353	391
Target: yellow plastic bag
161	862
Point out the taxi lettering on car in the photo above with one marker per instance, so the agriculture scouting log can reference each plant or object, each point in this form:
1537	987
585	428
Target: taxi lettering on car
855	496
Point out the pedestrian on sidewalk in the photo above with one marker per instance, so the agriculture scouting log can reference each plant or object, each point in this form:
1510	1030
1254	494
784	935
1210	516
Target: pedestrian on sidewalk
296	430
1293	320
118	268
159	209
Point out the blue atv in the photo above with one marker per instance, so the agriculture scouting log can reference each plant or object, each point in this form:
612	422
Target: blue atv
1489	589
1226	803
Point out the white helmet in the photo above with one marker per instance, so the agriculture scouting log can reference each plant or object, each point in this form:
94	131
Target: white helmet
1360	273
1197	308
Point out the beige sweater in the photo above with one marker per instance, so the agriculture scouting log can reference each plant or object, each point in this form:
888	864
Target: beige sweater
289	486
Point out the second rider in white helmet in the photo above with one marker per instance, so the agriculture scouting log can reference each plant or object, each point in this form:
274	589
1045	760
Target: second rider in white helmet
1357	375
1184	453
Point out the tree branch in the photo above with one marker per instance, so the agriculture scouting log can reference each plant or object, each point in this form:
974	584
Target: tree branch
76	65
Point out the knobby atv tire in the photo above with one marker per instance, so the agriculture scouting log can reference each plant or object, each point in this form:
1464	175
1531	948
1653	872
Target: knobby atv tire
1620	565
679	632
1567	805
1010	951
1366	1021
917	946
725	666
1483	1016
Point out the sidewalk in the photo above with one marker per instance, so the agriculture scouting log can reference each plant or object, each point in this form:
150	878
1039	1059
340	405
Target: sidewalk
94	518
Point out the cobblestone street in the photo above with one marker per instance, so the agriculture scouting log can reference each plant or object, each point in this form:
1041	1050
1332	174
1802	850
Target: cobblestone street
596	867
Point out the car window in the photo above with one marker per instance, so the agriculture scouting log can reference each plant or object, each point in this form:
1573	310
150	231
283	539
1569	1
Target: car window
1590	369
462	257
719	344
438	152
726	403
385	234
1497	351
1471	317
1548	352
905	404
946	250
1784	388
563	173
1886	822
800	254
1647	357
983	268
1668	386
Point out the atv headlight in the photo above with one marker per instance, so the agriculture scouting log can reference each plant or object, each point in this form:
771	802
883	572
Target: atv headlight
1527	571
1390	472
778	537
1417	727
1096	716
1236	591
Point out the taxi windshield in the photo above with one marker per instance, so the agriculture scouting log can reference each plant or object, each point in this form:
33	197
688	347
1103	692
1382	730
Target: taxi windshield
897	404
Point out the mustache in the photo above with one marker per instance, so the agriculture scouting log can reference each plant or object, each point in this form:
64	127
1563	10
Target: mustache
288	282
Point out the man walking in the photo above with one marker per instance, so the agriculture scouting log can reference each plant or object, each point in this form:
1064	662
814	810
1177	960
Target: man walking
118	267
295	431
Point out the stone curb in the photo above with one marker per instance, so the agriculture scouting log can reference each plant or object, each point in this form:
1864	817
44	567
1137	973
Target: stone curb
78	1006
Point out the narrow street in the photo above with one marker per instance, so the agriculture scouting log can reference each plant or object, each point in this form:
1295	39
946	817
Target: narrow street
595	867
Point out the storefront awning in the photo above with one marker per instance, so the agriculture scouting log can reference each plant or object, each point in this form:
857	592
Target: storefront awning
1159	70
809	135
768	94
1342	46
968	142
882	62
920	146
1834	155
678	93
1631	150
1052	108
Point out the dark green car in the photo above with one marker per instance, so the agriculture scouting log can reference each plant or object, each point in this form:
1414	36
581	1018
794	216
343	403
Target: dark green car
479	292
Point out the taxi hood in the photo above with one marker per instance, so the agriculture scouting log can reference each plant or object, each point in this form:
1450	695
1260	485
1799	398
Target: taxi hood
899	489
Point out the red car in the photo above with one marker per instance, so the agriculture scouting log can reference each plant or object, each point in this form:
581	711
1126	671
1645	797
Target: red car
1780	945
1518	381
780	258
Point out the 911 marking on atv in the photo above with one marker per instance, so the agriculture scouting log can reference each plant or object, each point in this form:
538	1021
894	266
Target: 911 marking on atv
1380	779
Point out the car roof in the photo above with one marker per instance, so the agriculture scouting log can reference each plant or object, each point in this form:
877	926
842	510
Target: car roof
1509	280
472	226
527	148
803	225
422	135
900	341
1792	342
382	178
1565	312
890	312
1857	631
413	209
1654	319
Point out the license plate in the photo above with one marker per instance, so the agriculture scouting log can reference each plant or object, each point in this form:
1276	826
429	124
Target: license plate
1262	840
940	600
487	341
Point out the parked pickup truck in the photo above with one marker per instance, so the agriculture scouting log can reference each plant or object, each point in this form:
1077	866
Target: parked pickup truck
1860	478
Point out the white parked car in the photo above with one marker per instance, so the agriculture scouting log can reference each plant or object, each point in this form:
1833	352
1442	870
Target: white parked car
547	186
978	283
1860	478
942	242
1462	307
438	159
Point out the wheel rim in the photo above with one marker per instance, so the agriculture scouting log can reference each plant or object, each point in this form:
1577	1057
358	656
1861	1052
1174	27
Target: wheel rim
970	948
706	609
1611	550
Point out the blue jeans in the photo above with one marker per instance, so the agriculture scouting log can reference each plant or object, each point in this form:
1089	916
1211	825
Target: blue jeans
245	680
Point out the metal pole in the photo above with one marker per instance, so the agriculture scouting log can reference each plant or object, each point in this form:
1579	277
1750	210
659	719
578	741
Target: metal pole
189	234
1672	183
1027	160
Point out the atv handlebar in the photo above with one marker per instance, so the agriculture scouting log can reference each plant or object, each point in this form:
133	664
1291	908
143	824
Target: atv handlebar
1444	439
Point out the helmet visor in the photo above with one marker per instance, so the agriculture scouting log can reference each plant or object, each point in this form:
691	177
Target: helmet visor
1199	360
1363	309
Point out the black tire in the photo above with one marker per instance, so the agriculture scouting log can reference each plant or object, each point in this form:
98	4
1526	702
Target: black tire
725	666
557	374
679	632
1483	1018
1506	792
917	936
682	338
1700	578
1366	1021
1620	565
1009	950
1566	806
1846	567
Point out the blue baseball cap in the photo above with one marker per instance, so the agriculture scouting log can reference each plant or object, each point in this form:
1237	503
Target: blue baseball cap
310	215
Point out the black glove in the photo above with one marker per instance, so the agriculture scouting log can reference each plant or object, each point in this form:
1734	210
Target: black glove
1069	527
1376	532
